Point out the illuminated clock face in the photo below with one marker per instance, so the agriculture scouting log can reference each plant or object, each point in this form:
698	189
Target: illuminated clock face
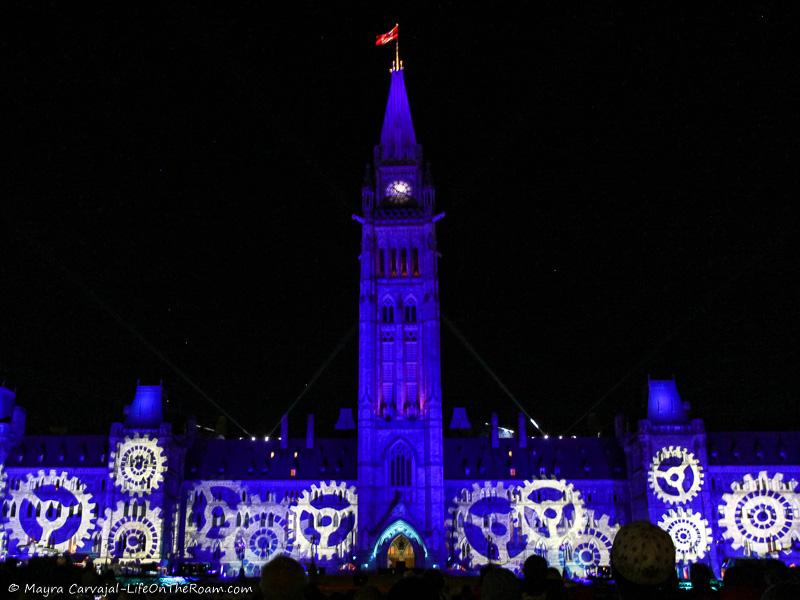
398	192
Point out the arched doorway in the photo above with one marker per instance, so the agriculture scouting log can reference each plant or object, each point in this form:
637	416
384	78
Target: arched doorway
400	551
399	543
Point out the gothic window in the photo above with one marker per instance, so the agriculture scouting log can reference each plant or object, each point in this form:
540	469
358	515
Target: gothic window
410	315
387	313
415	262
393	262
403	262
381	263
400	463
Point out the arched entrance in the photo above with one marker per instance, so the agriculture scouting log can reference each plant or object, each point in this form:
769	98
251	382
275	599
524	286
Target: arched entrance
399	543
400	551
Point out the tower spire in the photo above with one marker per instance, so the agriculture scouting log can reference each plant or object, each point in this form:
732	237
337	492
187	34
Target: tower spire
398	140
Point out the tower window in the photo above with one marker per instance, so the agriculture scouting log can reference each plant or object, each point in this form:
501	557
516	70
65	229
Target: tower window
393	262
400	470
410	313
387	314
415	262
403	262
382	263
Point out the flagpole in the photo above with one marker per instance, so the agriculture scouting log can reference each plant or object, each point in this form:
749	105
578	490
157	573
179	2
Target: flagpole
398	64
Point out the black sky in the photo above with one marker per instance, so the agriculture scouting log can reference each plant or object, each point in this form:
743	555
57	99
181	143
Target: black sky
620	189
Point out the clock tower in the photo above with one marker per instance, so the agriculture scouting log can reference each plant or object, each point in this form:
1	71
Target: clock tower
400	472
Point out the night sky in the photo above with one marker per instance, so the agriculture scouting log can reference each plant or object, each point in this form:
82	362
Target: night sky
620	190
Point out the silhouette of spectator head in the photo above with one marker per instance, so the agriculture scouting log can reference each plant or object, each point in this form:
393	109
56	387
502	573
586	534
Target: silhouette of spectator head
500	584
535	572
643	561
282	578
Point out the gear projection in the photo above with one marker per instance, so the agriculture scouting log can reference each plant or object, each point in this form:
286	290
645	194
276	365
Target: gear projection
138	465
552	510
761	514
265	535
485	526
324	521
689	532
584	552
212	513
53	513
675	475
492	523
132	531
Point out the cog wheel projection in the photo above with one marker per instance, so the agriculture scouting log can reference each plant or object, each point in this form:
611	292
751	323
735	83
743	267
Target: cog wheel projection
485	526
552	510
690	533
761	514
138	465
53	513
675	475
212	513
132	531
265	535
584	552
324	520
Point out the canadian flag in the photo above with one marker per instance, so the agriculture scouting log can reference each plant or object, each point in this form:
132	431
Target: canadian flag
387	37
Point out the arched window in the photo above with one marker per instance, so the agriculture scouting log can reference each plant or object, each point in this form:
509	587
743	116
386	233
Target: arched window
400	466
410	313
387	312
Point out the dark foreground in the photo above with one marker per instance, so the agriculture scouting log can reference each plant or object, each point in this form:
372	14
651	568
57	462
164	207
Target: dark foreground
58	578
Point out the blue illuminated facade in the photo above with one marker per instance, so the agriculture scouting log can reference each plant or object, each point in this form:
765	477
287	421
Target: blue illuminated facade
395	485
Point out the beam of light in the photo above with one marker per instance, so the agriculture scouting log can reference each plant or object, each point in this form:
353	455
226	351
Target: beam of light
339	347
488	369
48	257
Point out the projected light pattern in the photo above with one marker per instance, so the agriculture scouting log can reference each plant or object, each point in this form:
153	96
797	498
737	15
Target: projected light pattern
485	526
504	525
584	552
212	513
762	514
138	465
266	535
689	532
132	531
324	520
675	476
53	513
